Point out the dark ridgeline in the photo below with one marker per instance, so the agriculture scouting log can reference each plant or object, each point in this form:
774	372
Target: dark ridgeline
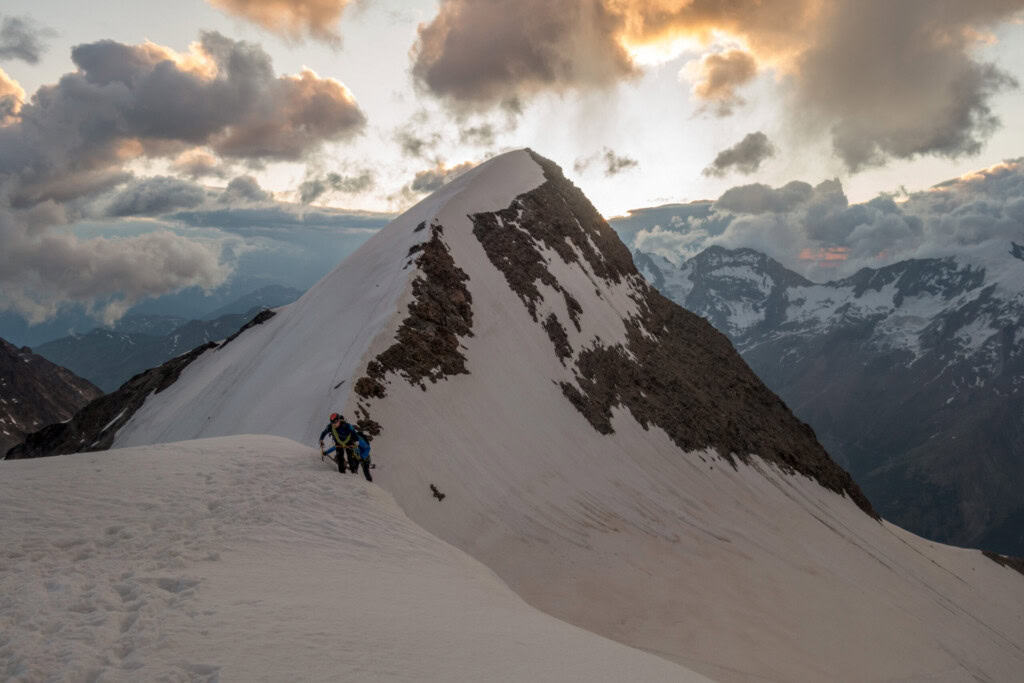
94	426
35	392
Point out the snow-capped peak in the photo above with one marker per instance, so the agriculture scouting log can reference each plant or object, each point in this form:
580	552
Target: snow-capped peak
604	451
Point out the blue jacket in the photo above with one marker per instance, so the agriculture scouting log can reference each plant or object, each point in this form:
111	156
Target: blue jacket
347	435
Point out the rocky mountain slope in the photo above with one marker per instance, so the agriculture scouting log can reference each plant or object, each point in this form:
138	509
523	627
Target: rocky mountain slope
34	392
109	358
605	452
912	375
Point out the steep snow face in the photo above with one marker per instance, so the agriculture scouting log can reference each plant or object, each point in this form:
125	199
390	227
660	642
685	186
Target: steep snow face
602	450
285	376
242	559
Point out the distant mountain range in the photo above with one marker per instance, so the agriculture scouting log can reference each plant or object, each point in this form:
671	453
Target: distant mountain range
912	375
153	316
34	392
108	357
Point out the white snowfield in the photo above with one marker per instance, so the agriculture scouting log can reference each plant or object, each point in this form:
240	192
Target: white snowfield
246	559
746	574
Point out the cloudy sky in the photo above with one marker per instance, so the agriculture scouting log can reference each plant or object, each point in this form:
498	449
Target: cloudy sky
144	146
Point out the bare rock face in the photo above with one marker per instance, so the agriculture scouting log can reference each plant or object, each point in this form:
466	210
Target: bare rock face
427	344
35	392
675	371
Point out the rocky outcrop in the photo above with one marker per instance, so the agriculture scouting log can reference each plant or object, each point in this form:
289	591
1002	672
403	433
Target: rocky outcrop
426	346
35	392
675	371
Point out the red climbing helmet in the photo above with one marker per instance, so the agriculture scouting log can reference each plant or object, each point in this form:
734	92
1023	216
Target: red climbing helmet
335	416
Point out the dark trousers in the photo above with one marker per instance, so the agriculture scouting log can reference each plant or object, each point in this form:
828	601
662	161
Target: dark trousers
354	461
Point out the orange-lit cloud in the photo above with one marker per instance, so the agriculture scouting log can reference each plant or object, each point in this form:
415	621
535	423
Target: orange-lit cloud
12	96
291	18
883	80
719	76
482	52
826	255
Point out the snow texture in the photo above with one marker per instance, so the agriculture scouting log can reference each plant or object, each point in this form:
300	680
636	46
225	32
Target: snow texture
247	559
735	573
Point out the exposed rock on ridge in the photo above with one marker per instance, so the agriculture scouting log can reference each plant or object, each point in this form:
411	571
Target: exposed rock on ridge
675	371
427	343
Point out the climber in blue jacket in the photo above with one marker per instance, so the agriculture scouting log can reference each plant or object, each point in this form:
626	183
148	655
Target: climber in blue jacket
347	440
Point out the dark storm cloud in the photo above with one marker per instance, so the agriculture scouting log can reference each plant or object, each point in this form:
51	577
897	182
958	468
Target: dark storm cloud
900	79
154	196
127	101
22	38
313	188
65	151
758	198
611	162
745	156
434	178
243	189
881	80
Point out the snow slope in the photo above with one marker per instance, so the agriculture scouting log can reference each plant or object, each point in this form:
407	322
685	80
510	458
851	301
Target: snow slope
736	573
245	559
285	376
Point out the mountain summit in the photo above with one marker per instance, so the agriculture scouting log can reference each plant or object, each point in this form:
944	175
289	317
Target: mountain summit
507	275
607	453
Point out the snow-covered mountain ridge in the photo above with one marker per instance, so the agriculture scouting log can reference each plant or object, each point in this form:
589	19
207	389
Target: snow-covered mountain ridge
912	374
240	559
601	449
915	303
